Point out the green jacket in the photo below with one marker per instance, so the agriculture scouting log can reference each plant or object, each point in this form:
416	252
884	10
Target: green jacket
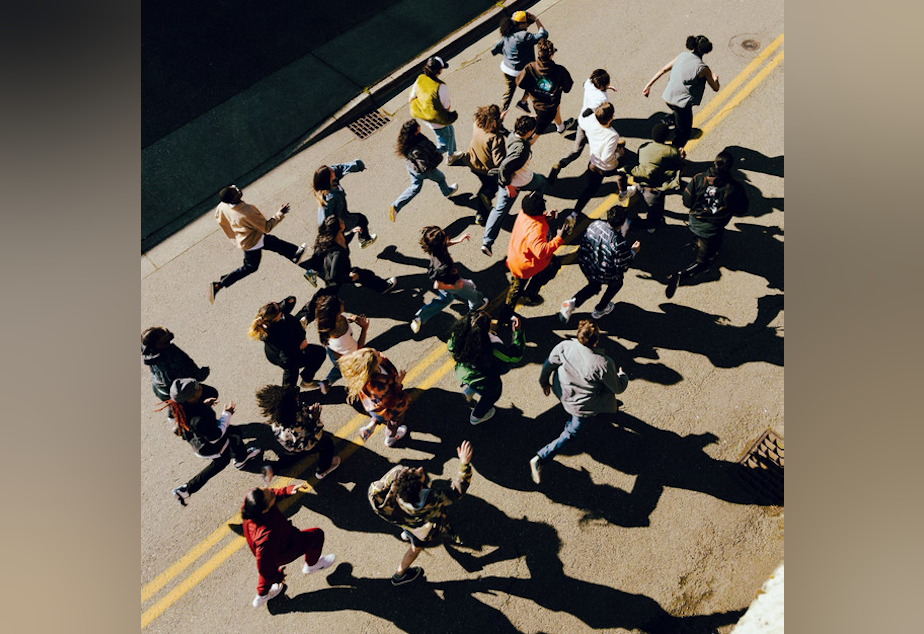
659	166
502	357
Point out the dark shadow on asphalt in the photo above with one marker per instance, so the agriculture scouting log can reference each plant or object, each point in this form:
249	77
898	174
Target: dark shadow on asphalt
490	536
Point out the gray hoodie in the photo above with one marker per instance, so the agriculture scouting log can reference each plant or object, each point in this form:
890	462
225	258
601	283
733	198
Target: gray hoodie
586	379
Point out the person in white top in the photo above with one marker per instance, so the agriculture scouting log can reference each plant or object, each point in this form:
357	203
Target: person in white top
595	89
336	334
606	148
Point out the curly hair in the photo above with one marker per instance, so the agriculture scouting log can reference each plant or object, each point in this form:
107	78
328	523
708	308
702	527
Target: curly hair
524	125
356	368
471	345
588	333
407	485
406	137
279	404
488	118
544	50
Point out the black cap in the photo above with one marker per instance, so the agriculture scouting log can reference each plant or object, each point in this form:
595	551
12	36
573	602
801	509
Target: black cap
436	64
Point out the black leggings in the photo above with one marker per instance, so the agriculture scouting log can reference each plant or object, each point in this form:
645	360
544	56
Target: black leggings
683	124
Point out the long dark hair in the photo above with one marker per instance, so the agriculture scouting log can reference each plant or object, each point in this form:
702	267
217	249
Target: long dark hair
433	242
471	345
279	404
406	137
326	312
321	182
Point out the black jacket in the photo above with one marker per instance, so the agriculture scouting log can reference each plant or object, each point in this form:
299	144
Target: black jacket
167	365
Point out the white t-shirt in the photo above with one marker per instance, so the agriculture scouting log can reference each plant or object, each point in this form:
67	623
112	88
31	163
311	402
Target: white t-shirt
345	343
602	141
593	96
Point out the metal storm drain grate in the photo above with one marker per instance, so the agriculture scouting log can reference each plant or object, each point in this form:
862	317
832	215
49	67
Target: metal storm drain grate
750	45
764	462
366	125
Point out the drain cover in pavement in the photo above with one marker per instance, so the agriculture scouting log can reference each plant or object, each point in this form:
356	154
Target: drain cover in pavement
368	124
764	462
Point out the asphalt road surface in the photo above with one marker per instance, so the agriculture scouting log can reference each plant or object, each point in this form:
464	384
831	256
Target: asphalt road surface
642	525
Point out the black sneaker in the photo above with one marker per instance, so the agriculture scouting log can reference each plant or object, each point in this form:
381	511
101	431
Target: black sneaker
524	106
181	493
480	220
409	575
553	175
299	253
486	250
672	283
531	300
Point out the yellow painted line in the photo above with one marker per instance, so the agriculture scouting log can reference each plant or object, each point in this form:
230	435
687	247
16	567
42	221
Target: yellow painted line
736	100
423	365
189	582
183	562
216	560
727	91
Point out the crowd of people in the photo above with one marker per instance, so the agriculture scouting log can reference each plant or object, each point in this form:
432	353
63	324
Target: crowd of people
483	346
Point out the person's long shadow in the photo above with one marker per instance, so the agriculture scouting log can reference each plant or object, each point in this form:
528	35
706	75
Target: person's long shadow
682	328
658	458
548	331
418	608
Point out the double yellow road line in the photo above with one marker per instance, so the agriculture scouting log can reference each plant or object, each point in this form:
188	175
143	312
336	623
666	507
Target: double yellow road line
706	119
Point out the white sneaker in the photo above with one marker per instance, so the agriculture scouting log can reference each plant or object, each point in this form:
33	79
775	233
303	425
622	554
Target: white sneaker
274	591
453	187
324	562
320	475
630	191
534	468
567	307
477	421
401	433
251	452
606	311
415	325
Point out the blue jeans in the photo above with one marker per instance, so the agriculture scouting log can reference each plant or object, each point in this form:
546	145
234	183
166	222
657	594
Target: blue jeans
503	205
417	182
445	139
571	429
444	298
334	374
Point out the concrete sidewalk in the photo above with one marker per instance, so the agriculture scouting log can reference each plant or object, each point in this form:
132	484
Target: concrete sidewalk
256	130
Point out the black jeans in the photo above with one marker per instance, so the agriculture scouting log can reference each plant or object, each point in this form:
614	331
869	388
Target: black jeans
351	221
654	202
592	288
683	124
706	251
235	448
485	194
307	361
252	258
324	448
488	397
594	180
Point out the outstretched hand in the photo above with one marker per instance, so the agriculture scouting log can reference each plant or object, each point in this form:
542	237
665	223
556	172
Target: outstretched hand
465	451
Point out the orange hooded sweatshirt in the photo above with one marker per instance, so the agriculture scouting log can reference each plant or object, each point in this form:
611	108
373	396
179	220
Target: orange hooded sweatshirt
528	252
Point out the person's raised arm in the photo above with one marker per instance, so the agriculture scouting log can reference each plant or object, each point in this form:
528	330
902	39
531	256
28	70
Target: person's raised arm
651	82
